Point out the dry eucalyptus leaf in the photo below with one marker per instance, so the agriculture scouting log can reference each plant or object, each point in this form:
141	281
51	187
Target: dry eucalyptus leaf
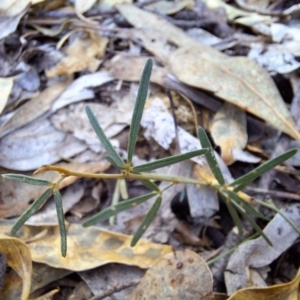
19	259
88	248
34	108
81	89
117	278
234	79
177	275
36	144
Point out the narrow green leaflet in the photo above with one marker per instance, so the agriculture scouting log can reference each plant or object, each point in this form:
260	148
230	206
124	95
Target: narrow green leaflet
112	153
247	206
139	108
112	162
168	161
61	222
32	209
251	221
27	179
245	180
114	210
147	221
210	156
150	185
233	213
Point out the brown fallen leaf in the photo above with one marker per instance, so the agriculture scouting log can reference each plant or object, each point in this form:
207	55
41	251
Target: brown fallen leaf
19	259
36	144
234	79
87	247
177	275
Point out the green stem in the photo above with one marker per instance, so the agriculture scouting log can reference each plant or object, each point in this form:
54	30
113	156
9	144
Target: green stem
141	176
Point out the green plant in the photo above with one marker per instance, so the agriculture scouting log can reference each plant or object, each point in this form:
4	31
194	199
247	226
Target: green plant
237	202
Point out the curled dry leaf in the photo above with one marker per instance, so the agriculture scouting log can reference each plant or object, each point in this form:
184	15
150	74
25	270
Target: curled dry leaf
287	291
177	275
19	259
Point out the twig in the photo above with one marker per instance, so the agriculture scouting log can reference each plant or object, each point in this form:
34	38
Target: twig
273	193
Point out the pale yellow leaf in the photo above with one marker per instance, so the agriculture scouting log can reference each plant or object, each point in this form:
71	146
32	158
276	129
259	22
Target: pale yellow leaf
229	131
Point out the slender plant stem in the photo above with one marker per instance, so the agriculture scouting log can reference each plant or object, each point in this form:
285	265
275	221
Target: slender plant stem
141	176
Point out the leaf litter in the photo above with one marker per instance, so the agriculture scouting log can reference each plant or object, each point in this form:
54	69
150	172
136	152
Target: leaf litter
74	55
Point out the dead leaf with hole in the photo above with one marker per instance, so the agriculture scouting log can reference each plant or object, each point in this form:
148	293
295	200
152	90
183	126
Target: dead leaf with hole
177	275
88	248
237	80
229	131
19	259
84	53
